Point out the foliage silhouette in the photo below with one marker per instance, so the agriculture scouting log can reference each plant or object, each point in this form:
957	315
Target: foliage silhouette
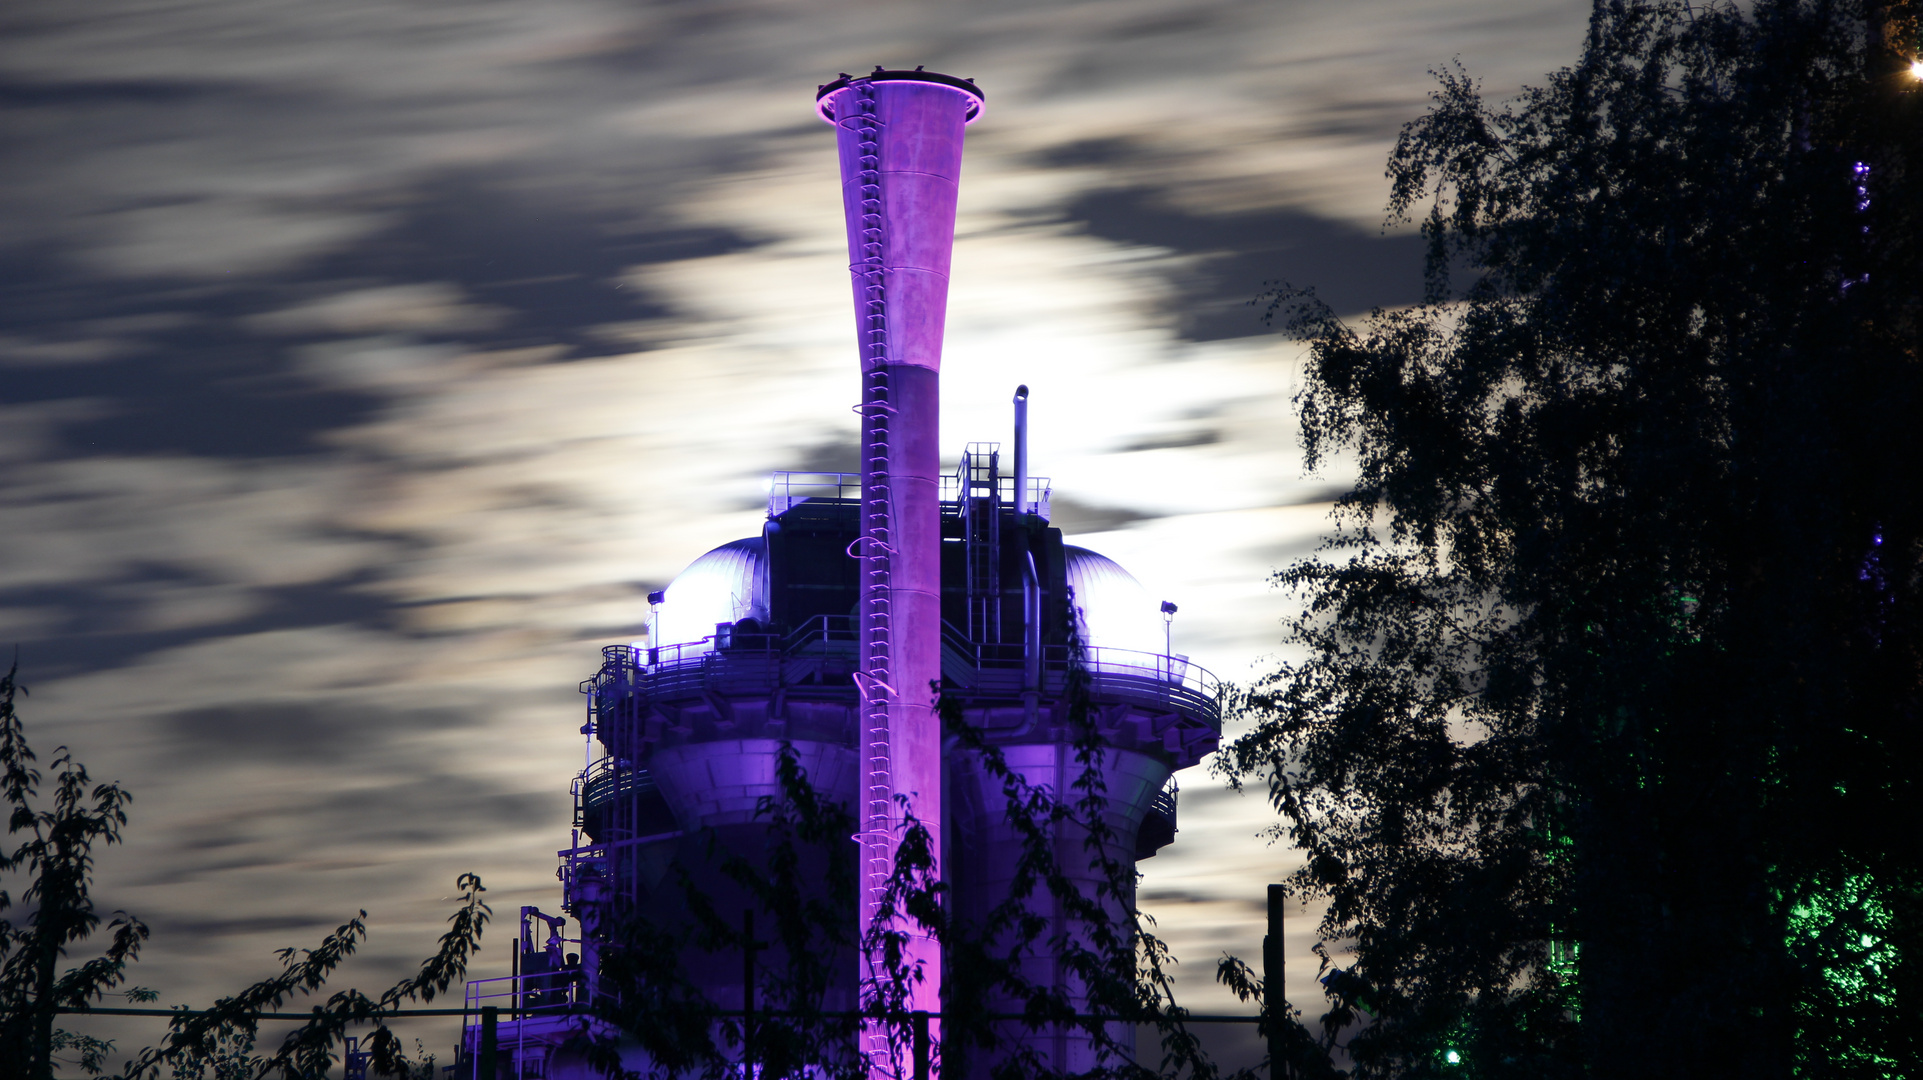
646	994
1113	960
1614	658
56	852
308	1050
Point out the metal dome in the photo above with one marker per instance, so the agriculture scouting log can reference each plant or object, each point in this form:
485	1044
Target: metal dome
726	585
1112	609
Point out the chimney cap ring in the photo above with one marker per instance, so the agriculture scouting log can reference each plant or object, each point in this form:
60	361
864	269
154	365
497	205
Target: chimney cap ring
824	96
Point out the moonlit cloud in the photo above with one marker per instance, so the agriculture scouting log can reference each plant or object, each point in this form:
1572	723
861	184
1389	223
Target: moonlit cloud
367	363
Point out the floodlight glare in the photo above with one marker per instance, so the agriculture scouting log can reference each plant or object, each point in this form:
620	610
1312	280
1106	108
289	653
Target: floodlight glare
1452	1058
1916	69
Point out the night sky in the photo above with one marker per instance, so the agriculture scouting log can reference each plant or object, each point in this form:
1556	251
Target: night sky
364	365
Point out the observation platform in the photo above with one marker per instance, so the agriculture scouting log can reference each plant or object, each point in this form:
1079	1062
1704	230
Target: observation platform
818	660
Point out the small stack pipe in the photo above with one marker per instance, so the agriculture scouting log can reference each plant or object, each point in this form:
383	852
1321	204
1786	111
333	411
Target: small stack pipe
900	139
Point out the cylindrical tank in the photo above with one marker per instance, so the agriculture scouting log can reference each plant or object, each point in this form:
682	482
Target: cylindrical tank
993	850
899	135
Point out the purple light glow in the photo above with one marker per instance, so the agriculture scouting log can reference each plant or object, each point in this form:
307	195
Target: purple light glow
900	140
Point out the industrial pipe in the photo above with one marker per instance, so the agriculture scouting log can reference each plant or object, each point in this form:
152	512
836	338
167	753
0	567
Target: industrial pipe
1021	454
1031	578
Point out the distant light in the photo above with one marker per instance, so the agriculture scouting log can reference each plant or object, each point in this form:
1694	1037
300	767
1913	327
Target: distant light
1916	69
1452	1058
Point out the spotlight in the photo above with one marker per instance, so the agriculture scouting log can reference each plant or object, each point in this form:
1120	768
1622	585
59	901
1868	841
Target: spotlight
1916	69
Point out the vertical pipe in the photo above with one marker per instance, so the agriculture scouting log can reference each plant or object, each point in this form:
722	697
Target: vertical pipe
748	994
1021	455
899	134
1274	996
654	624
486	1068
1031	577
920	1022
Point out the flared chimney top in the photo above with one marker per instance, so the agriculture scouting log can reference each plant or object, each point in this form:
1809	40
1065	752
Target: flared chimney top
825	95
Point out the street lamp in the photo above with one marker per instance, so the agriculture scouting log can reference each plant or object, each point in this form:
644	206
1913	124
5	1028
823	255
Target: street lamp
1168	642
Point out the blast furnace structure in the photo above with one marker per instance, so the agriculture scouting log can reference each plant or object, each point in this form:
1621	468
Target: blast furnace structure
830	631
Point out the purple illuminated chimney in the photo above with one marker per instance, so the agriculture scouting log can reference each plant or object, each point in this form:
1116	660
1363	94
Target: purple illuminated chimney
900	136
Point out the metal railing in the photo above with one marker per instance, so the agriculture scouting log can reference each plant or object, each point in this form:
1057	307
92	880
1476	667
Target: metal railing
604	781
538	1011
823	652
529	994
787	490
1134	675
1165	801
1038	494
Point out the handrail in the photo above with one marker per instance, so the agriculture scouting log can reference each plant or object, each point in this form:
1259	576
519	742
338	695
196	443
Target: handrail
787	490
1039	491
528	992
1166	800
827	642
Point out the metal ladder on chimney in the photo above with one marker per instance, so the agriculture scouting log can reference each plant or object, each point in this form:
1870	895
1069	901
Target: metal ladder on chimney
876	676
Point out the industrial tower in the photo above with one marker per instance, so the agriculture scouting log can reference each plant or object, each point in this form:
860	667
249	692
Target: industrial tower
832	631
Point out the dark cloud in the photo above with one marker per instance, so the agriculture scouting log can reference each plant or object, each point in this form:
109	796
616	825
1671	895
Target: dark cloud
1326	493
296	732
216	374
370	824
1235	255
263	924
24	94
840	454
834	454
549	261
89	633
1173	896
196	383
1073	516
434	809
1089	152
1176	441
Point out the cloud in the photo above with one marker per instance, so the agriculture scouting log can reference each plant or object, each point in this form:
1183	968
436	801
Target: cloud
1075	517
363	363
835	454
379	818
423	307
96	626
297	732
1224	260
1172	441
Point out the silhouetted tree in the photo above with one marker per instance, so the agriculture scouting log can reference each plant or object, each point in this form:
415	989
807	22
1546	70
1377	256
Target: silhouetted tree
1604	749
53	850
307	1052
